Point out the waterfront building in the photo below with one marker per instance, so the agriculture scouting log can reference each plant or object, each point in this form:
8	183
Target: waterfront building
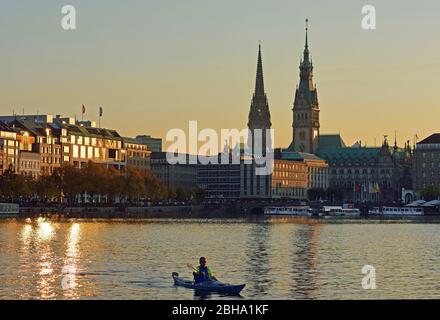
9	148
297	172
289	179
44	142
426	164
366	174
82	144
219	180
181	175
154	144
305	122
136	154
30	164
39	118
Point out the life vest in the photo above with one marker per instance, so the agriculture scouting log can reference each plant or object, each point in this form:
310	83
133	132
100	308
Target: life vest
203	274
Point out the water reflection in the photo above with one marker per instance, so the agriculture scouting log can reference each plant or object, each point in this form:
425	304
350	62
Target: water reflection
45	230
70	269
304	266
258	258
45	256
279	259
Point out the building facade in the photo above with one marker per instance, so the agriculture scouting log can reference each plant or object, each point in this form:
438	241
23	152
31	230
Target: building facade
136	154
219	180
366	174
30	164
426	164
45	144
180	175
9	148
289	179
153	144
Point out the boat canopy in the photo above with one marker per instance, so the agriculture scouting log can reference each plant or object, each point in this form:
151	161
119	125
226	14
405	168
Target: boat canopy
416	203
432	203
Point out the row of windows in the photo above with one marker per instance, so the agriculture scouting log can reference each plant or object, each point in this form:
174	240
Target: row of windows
51	160
433	155
288	174
288	166
358	171
137	154
351	184
433	165
29	164
87	141
50	149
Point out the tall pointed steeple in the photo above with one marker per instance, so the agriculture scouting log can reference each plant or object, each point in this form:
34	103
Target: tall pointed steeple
306	47
305	106
259	114
259	82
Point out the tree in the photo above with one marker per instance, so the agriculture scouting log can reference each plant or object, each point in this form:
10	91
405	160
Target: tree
431	193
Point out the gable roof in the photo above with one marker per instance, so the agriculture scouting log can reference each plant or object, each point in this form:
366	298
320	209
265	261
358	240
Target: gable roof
432	139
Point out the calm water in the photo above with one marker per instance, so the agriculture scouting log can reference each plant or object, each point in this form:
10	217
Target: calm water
277	259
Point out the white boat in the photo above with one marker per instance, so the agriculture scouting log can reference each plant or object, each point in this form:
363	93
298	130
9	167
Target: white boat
344	212
9	209
290	211
396	211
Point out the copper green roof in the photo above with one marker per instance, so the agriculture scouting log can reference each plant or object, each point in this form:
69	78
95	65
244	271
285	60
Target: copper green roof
331	141
300	156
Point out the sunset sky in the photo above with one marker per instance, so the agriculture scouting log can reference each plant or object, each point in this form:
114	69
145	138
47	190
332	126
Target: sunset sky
155	65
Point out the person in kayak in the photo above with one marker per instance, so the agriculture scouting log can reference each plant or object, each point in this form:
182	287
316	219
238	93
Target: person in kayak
203	272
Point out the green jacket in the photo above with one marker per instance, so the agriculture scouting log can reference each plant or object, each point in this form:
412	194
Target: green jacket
206	272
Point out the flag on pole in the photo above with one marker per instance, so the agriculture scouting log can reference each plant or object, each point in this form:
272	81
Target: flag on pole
83	109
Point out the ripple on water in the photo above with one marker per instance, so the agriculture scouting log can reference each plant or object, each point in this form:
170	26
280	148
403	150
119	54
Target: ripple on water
277	259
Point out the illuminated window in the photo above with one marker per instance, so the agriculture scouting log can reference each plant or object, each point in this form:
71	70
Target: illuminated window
83	152
75	151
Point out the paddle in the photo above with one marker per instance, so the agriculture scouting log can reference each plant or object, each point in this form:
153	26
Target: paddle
189	265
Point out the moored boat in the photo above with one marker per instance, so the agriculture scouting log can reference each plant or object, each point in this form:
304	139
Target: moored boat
9	209
290	211
340	211
208	286
396	211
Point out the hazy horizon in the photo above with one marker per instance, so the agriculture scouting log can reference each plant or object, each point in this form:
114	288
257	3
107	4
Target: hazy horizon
155	65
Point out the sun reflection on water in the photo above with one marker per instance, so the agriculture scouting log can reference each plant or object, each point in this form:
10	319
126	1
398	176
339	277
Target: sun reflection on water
45	229
69	281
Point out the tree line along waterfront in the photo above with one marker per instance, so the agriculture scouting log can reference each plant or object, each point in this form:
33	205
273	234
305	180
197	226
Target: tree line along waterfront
95	183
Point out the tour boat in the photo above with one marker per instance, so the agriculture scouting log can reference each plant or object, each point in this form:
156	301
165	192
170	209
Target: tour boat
290	211
9	209
344	212
393	211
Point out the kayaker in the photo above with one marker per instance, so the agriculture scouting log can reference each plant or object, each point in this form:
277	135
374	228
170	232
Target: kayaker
203	272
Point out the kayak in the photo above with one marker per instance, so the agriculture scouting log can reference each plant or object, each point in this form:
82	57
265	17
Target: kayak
208	286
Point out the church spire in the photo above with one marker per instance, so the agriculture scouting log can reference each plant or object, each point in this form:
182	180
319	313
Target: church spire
306	47
259	82
259	115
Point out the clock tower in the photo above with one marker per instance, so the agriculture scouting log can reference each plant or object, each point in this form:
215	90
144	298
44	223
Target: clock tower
305	107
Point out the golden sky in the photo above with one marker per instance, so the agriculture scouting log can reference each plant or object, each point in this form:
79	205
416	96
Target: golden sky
155	65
